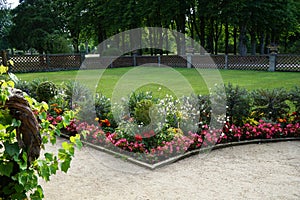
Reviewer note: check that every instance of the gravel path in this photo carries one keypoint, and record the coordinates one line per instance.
(254, 171)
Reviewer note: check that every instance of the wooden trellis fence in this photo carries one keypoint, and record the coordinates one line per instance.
(33, 63)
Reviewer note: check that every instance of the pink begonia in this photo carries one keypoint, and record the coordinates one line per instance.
(179, 144)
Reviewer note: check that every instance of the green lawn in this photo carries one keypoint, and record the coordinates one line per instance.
(160, 80)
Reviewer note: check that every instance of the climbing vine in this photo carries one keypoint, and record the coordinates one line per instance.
(24, 134)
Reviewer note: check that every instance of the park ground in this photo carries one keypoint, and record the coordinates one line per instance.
(254, 171)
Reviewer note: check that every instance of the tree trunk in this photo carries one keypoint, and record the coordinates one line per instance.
(235, 40)
(151, 41)
(167, 41)
(218, 31)
(226, 38)
(243, 41)
(262, 43)
(202, 31)
(253, 42)
(123, 46)
(160, 41)
(211, 37)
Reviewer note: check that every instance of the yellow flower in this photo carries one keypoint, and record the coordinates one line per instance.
(3, 69)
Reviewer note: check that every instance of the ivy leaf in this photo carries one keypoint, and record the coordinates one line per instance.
(11, 84)
(76, 140)
(38, 193)
(11, 149)
(16, 123)
(66, 164)
(43, 116)
(6, 168)
(49, 156)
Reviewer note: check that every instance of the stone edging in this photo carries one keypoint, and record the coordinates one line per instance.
(187, 154)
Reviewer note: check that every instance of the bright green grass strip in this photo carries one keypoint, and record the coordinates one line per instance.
(250, 80)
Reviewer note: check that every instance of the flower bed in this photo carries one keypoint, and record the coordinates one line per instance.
(181, 145)
(152, 131)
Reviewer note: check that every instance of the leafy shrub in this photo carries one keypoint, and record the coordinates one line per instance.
(204, 105)
(104, 113)
(102, 106)
(238, 104)
(137, 97)
(80, 96)
(25, 86)
(294, 97)
(76, 91)
(30, 87)
(45, 91)
(142, 112)
(270, 104)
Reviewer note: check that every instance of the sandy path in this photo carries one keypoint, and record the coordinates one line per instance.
(256, 171)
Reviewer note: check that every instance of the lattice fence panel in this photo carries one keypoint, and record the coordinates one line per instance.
(124, 61)
(288, 63)
(56, 62)
(96, 62)
(203, 62)
(29, 63)
(173, 61)
(219, 60)
(248, 62)
(142, 60)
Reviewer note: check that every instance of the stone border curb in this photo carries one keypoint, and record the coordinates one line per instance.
(187, 154)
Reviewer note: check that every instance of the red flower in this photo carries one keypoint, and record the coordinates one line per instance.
(105, 122)
(149, 134)
(138, 137)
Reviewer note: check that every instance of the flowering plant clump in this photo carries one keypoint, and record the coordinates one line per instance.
(152, 129)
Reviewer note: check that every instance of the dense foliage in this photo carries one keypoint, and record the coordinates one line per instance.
(243, 26)
(19, 172)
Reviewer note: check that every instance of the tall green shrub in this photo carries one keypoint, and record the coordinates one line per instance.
(270, 104)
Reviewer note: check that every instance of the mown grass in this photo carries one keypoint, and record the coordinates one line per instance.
(167, 80)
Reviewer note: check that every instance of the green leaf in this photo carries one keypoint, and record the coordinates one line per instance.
(43, 116)
(11, 84)
(76, 140)
(21, 162)
(49, 156)
(45, 139)
(6, 168)
(62, 154)
(38, 193)
(16, 123)
(12, 149)
(54, 167)
(65, 165)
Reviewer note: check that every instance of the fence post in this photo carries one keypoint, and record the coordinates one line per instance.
(82, 57)
(189, 60)
(4, 57)
(134, 59)
(158, 60)
(272, 62)
(48, 60)
(226, 62)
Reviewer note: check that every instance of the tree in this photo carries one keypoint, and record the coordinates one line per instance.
(35, 24)
(5, 26)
